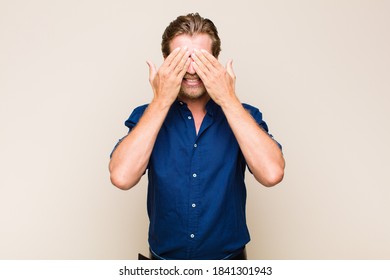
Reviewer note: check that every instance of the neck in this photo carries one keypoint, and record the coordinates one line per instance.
(198, 109)
(197, 105)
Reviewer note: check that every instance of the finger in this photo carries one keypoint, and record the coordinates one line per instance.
(181, 66)
(184, 68)
(152, 70)
(178, 58)
(202, 61)
(229, 68)
(196, 56)
(199, 71)
(171, 56)
(210, 57)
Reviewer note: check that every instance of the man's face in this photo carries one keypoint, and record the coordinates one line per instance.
(192, 86)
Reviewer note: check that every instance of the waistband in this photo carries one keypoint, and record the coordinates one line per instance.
(240, 254)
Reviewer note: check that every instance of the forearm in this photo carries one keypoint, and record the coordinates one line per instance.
(130, 159)
(261, 152)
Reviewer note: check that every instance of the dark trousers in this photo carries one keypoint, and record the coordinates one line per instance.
(240, 256)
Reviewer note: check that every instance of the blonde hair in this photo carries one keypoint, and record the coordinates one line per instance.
(191, 24)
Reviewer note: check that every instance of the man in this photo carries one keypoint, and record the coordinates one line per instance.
(195, 138)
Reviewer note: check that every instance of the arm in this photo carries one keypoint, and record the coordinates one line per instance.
(262, 154)
(130, 159)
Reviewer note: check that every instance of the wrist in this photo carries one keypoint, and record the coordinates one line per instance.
(229, 102)
(161, 103)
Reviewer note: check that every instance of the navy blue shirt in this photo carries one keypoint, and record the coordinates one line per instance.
(196, 191)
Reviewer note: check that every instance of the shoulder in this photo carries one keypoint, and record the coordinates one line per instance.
(136, 115)
(140, 109)
(254, 111)
(257, 115)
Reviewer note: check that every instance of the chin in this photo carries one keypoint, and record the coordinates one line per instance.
(191, 94)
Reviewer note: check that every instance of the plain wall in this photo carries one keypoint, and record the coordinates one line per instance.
(72, 71)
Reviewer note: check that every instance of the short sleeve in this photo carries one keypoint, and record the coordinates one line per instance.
(258, 116)
(135, 116)
(131, 122)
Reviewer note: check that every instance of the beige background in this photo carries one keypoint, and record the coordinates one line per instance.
(72, 71)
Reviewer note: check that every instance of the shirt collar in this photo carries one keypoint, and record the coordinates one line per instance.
(211, 106)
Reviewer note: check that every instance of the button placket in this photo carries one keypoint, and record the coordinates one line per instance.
(195, 180)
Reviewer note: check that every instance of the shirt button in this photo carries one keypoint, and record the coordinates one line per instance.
(195, 145)
(193, 205)
(189, 117)
(192, 235)
(181, 103)
(194, 175)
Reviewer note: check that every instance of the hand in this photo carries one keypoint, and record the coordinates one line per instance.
(166, 81)
(218, 80)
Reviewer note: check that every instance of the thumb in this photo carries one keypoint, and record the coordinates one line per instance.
(229, 68)
(152, 70)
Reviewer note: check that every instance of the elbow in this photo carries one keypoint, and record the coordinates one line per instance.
(121, 183)
(123, 180)
(273, 177)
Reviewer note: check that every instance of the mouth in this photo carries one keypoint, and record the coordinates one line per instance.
(192, 81)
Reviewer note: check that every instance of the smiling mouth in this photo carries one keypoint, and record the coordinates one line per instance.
(192, 81)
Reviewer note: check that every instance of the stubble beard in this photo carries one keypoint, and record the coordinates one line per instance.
(192, 92)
